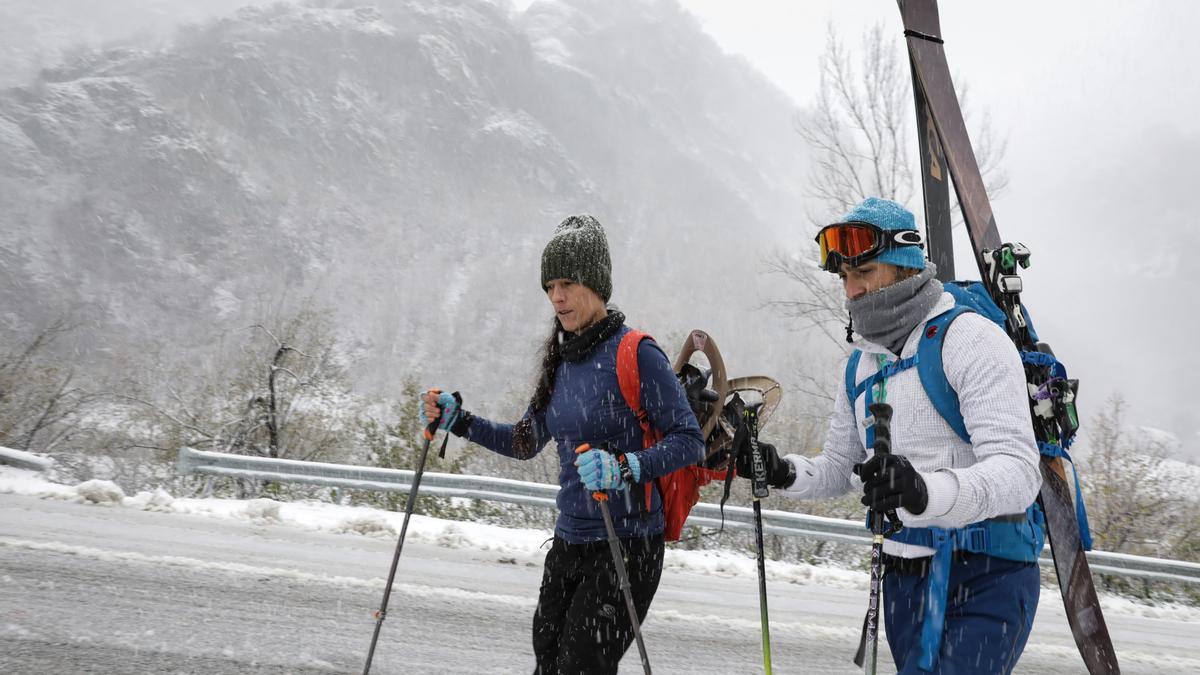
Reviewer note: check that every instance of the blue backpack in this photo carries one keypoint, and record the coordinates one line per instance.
(969, 296)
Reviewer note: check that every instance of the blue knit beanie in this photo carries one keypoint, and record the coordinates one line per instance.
(888, 215)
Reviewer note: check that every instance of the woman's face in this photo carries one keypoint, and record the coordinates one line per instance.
(575, 305)
(867, 278)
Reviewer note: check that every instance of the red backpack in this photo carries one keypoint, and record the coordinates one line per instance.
(680, 489)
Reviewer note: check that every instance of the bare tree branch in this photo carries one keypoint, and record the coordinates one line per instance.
(858, 129)
(163, 412)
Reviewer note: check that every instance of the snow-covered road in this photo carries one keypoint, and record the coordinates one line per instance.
(117, 589)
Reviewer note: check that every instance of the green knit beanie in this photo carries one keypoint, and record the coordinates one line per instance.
(579, 251)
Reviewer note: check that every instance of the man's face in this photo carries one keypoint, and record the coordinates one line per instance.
(867, 278)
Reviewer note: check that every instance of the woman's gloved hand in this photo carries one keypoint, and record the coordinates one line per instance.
(602, 470)
(447, 410)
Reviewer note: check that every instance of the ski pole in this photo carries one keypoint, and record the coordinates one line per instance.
(759, 489)
(614, 545)
(381, 613)
(882, 414)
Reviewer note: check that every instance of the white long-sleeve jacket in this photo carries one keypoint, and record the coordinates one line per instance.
(995, 474)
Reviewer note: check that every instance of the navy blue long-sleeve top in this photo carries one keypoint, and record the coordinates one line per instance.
(586, 406)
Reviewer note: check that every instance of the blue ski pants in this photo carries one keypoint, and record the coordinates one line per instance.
(989, 613)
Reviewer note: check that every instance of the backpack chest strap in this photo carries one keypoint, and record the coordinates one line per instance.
(882, 375)
(867, 386)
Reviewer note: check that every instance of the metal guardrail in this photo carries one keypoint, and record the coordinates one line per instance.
(25, 460)
(706, 515)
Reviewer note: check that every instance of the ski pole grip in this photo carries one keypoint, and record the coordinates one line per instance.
(758, 482)
(431, 429)
(758, 465)
(598, 495)
(882, 414)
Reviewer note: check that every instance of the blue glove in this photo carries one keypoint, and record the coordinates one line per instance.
(600, 470)
(448, 407)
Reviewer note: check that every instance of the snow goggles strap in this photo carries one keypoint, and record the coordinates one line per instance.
(857, 242)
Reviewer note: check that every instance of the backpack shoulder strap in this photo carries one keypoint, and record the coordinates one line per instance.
(851, 377)
(933, 373)
(630, 380)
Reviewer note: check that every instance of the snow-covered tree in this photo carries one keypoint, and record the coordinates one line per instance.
(41, 403)
(281, 392)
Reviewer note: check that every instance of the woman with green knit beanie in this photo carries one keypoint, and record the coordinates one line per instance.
(581, 624)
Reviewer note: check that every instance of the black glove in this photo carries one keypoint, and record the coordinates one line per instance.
(780, 472)
(891, 482)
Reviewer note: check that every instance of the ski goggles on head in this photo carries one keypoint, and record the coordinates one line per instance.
(857, 242)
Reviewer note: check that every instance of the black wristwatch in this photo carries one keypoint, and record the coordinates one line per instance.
(626, 472)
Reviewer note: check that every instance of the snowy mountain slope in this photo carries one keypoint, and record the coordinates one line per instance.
(397, 161)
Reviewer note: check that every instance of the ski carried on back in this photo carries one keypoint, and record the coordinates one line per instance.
(935, 187)
(942, 130)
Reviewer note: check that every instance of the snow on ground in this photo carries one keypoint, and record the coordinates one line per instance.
(526, 543)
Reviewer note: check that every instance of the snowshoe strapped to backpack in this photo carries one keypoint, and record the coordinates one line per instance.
(680, 489)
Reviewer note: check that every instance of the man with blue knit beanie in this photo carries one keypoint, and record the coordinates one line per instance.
(961, 584)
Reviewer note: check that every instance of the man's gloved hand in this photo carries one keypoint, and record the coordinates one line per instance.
(444, 407)
(891, 482)
(602, 470)
(780, 472)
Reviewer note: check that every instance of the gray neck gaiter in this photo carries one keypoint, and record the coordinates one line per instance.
(888, 315)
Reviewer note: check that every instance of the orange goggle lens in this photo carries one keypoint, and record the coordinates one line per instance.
(848, 239)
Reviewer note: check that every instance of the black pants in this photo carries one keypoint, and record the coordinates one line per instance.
(582, 625)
